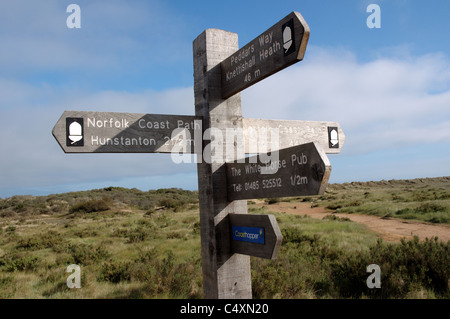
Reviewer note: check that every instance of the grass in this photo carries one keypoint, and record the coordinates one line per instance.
(419, 199)
(122, 256)
(147, 245)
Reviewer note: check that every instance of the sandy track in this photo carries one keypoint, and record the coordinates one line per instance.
(390, 229)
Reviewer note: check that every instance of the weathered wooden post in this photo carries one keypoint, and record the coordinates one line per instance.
(225, 275)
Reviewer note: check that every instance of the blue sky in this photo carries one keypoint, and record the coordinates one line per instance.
(389, 88)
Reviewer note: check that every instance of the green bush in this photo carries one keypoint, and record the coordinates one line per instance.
(20, 207)
(404, 268)
(8, 288)
(176, 278)
(7, 213)
(196, 228)
(136, 234)
(295, 235)
(308, 266)
(92, 206)
(115, 272)
(19, 262)
(49, 239)
(429, 208)
(175, 204)
(430, 212)
(336, 218)
(11, 229)
(268, 277)
(334, 206)
(163, 276)
(84, 254)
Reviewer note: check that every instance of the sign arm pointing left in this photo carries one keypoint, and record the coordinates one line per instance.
(113, 132)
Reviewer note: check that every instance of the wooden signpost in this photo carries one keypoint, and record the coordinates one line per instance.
(297, 164)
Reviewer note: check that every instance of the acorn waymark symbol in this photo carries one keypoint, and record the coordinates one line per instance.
(288, 37)
(74, 131)
(333, 137)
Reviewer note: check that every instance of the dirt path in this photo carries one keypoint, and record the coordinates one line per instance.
(389, 229)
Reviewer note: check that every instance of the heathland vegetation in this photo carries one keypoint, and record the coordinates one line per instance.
(425, 199)
(135, 244)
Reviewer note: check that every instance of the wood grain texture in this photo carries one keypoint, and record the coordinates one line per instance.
(225, 275)
(290, 133)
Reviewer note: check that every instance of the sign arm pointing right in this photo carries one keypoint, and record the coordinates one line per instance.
(277, 48)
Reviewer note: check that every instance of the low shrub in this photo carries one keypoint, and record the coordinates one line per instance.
(92, 206)
(7, 213)
(196, 228)
(49, 239)
(136, 234)
(311, 267)
(175, 204)
(17, 261)
(404, 268)
(430, 212)
(336, 218)
(115, 272)
(295, 235)
(85, 254)
(10, 229)
(8, 286)
(163, 276)
(334, 206)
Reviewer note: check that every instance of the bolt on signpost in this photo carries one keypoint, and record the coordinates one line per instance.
(220, 137)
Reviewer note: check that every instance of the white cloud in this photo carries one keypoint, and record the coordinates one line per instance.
(380, 104)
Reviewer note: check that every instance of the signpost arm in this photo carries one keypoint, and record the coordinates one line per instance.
(225, 275)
